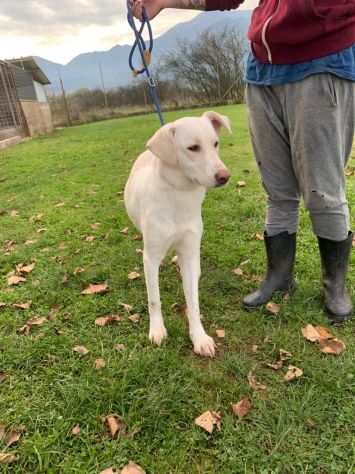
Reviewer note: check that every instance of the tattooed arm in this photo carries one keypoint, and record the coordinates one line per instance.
(153, 7)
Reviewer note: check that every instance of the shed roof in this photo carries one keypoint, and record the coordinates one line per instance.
(29, 64)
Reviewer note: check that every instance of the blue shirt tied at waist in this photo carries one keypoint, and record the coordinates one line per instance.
(341, 64)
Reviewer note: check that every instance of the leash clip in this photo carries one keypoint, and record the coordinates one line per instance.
(152, 82)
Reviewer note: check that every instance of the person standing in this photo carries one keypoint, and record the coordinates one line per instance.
(301, 100)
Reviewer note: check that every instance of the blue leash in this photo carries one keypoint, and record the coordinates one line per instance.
(145, 54)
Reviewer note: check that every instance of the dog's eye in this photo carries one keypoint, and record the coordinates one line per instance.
(216, 144)
(194, 148)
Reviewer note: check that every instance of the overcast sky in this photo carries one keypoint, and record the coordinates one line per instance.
(61, 29)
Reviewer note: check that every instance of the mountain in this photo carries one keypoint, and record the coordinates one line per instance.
(84, 71)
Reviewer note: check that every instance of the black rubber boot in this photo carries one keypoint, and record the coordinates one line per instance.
(280, 252)
(335, 259)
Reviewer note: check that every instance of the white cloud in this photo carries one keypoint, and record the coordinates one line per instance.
(60, 30)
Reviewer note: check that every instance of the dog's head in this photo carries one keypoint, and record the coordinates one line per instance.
(192, 145)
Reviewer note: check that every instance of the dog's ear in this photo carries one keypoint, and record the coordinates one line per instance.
(162, 144)
(218, 121)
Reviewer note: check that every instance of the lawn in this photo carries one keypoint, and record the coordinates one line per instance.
(52, 191)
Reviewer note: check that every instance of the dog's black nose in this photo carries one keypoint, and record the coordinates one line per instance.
(222, 177)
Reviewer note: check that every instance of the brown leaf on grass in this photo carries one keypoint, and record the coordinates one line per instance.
(3, 377)
(15, 280)
(316, 333)
(276, 366)
(139, 251)
(135, 318)
(41, 230)
(59, 204)
(241, 408)
(179, 308)
(332, 346)
(36, 321)
(35, 218)
(106, 320)
(273, 308)
(119, 347)
(14, 213)
(2, 305)
(238, 271)
(208, 420)
(13, 436)
(124, 231)
(254, 348)
(258, 236)
(132, 468)
(22, 305)
(133, 275)
(126, 306)
(137, 237)
(81, 350)
(221, 333)
(95, 226)
(293, 373)
(76, 430)
(90, 238)
(24, 269)
(30, 242)
(100, 364)
(115, 424)
(284, 355)
(254, 384)
(78, 270)
(174, 260)
(7, 458)
(95, 289)
(241, 184)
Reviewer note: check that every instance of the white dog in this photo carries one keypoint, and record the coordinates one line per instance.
(163, 198)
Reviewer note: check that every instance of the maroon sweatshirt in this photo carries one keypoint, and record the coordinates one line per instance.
(293, 31)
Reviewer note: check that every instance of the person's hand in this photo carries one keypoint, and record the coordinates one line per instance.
(152, 7)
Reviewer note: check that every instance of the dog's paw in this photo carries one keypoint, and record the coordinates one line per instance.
(158, 334)
(204, 345)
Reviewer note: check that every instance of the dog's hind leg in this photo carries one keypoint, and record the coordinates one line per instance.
(152, 260)
(189, 263)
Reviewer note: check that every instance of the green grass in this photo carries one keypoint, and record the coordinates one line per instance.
(158, 391)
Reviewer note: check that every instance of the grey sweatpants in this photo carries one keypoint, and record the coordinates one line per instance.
(302, 135)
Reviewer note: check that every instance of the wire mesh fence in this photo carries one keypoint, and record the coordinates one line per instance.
(10, 111)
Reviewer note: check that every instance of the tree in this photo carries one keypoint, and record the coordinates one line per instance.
(211, 67)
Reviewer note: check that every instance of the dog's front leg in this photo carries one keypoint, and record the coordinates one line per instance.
(189, 263)
(157, 330)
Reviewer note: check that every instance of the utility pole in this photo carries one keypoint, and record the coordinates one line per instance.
(66, 106)
(103, 84)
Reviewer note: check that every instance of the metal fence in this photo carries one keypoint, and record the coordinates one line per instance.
(10, 109)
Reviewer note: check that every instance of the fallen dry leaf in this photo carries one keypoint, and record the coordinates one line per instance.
(7, 458)
(41, 230)
(78, 270)
(2, 305)
(30, 242)
(174, 260)
(332, 346)
(36, 321)
(59, 204)
(127, 307)
(81, 350)
(132, 468)
(241, 408)
(106, 320)
(220, 333)
(134, 318)
(90, 238)
(95, 289)
(133, 275)
(124, 231)
(273, 308)
(15, 280)
(20, 269)
(276, 366)
(258, 236)
(208, 420)
(316, 333)
(254, 384)
(22, 305)
(76, 430)
(241, 184)
(254, 348)
(13, 436)
(100, 364)
(14, 213)
(285, 355)
(238, 271)
(120, 347)
(293, 373)
(137, 237)
(114, 424)
(95, 226)
(139, 251)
